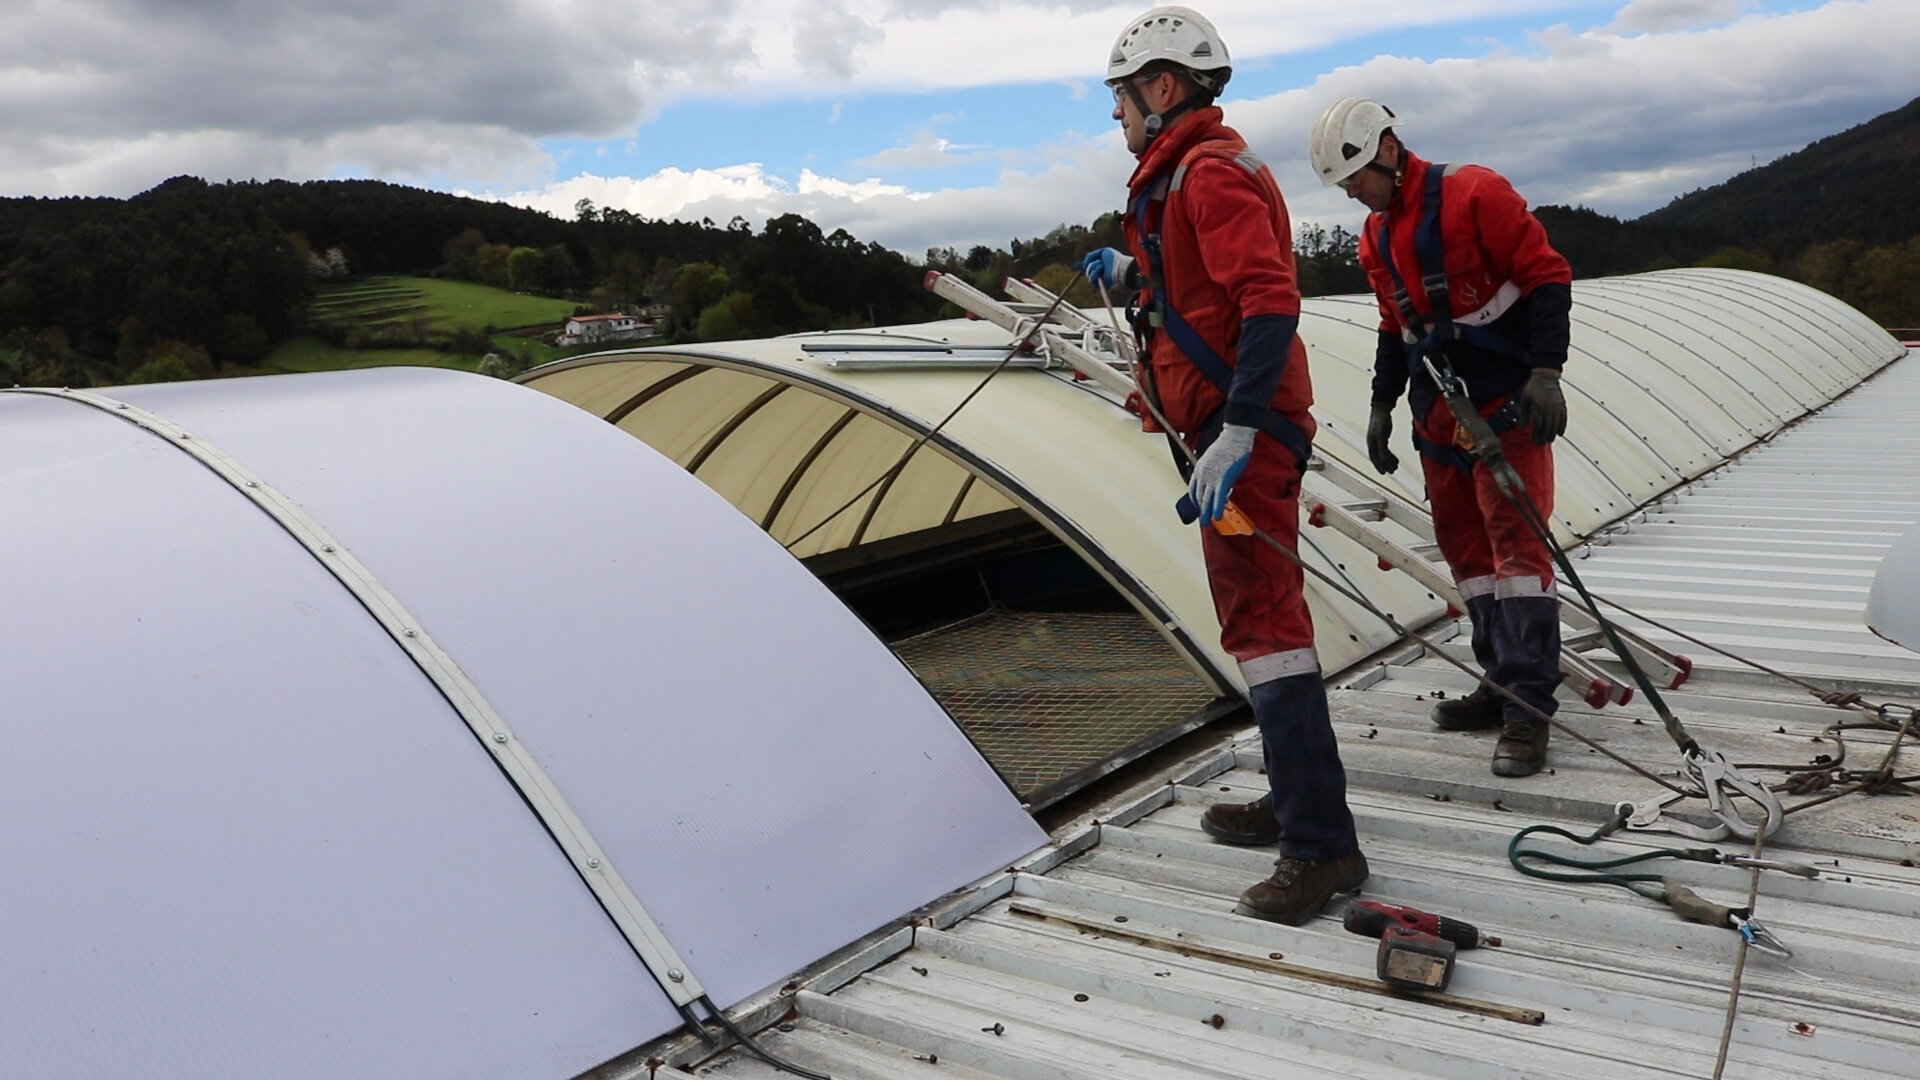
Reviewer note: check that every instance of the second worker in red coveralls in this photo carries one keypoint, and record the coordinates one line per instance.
(1463, 271)
(1213, 254)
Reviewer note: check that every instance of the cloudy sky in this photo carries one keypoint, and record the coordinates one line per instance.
(911, 122)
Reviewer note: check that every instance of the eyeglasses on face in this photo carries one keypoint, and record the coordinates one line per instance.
(1119, 86)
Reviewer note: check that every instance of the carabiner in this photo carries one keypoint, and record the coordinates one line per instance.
(1717, 777)
(1647, 817)
(1759, 937)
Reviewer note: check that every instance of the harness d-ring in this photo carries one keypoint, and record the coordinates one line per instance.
(1719, 779)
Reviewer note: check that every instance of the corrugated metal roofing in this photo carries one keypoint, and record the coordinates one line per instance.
(1118, 955)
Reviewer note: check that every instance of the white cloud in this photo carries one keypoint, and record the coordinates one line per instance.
(926, 151)
(1621, 124)
(1020, 204)
(1661, 16)
(944, 44)
(97, 92)
(111, 96)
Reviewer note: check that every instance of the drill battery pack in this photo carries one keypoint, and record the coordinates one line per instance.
(1413, 960)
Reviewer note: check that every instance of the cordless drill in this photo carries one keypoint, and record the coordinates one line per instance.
(1370, 918)
(1416, 947)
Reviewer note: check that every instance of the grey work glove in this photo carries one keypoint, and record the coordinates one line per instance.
(1218, 469)
(1379, 430)
(1543, 406)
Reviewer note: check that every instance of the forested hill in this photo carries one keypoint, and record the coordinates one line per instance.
(1842, 215)
(90, 287)
(1862, 184)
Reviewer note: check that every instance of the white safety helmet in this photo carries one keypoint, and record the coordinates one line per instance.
(1347, 138)
(1177, 35)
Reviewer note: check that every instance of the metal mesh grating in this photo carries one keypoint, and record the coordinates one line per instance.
(1046, 695)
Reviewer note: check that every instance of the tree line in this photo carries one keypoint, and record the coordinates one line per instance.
(193, 278)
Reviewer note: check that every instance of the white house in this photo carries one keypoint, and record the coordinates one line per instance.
(589, 329)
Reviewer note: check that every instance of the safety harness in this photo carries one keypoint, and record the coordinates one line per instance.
(1423, 338)
(1160, 314)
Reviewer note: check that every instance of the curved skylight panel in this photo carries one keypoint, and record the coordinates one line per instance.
(703, 702)
(244, 835)
(247, 836)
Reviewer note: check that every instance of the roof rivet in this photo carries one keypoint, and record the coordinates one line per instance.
(676, 975)
(500, 737)
(253, 483)
(593, 864)
(326, 547)
(410, 633)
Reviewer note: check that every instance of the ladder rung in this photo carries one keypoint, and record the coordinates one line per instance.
(1583, 639)
(1367, 509)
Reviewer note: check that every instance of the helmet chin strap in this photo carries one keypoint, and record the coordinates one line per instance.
(1156, 122)
(1398, 171)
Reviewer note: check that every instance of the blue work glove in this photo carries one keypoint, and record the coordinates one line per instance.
(1217, 470)
(1106, 268)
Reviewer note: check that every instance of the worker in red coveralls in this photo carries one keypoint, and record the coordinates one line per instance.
(1212, 264)
(1463, 272)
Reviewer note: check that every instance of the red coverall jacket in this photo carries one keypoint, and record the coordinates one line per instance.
(1227, 252)
(1496, 255)
(1228, 249)
(1504, 277)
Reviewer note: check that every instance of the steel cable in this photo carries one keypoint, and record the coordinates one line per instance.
(1020, 343)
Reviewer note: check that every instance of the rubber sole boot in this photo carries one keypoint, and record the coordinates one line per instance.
(1247, 824)
(1522, 749)
(1479, 711)
(1299, 888)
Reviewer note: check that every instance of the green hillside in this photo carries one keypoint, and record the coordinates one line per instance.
(412, 320)
(1862, 184)
(1842, 215)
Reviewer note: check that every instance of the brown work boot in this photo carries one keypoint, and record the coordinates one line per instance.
(1250, 824)
(1478, 711)
(1522, 749)
(1298, 888)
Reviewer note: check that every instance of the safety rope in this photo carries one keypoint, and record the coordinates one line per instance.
(1739, 965)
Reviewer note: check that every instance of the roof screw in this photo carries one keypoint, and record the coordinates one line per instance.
(184, 436)
(253, 483)
(593, 864)
(410, 633)
(326, 548)
(500, 737)
(676, 975)
(122, 405)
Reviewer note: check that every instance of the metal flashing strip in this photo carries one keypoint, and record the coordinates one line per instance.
(522, 770)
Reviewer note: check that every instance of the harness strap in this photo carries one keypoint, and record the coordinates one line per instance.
(1503, 419)
(1430, 251)
(1162, 315)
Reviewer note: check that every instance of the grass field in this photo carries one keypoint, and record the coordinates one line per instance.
(411, 308)
(441, 305)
